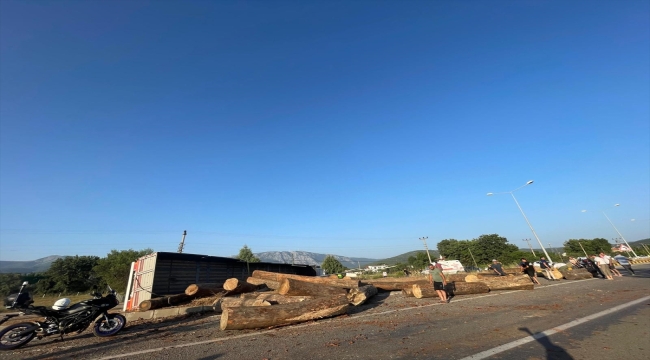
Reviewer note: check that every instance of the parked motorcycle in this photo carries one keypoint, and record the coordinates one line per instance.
(60, 319)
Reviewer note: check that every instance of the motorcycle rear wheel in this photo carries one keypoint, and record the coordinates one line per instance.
(114, 325)
(9, 336)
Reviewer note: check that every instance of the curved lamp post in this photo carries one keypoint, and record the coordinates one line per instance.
(524, 214)
(618, 232)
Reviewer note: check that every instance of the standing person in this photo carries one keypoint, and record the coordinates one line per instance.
(437, 279)
(625, 263)
(546, 266)
(603, 266)
(497, 267)
(406, 272)
(529, 270)
(385, 274)
(610, 262)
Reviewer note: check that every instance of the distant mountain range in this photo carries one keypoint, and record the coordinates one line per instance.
(309, 258)
(24, 267)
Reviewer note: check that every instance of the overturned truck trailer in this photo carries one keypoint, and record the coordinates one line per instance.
(167, 273)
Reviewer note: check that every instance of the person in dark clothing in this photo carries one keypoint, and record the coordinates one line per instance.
(528, 269)
(497, 267)
(546, 267)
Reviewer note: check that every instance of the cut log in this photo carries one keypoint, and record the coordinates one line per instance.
(238, 318)
(465, 288)
(340, 283)
(407, 292)
(455, 277)
(204, 290)
(275, 299)
(453, 288)
(361, 294)
(227, 302)
(164, 301)
(271, 284)
(395, 285)
(295, 287)
(235, 286)
(520, 282)
(576, 274)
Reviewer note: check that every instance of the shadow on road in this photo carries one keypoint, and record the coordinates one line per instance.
(553, 352)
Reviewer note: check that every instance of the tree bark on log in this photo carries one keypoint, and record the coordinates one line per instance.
(204, 290)
(576, 274)
(340, 283)
(453, 288)
(520, 282)
(295, 287)
(238, 318)
(164, 301)
(361, 294)
(395, 285)
(271, 284)
(220, 305)
(464, 288)
(275, 299)
(455, 277)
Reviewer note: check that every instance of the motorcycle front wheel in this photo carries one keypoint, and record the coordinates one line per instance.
(115, 323)
(10, 338)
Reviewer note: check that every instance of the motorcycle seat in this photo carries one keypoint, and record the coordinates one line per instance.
(72, 309)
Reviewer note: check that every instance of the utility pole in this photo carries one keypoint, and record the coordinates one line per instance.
(424, 240)
(470, 254)
(557, 252)
(531, 248)
(182, 244)
(619, 233)
(583, 249)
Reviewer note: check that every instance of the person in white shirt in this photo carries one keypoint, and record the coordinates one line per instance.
(610, 263)
(603, 266)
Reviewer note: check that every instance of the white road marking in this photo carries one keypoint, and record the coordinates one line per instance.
(555, 330)
(321, 322)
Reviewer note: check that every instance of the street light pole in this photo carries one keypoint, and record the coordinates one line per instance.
(526, 218)
(619, 233)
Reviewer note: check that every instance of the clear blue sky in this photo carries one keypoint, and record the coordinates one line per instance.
(348, 128)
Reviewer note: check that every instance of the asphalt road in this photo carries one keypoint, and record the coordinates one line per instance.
(567, 320)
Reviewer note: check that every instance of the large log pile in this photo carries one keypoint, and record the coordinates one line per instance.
(296, 299)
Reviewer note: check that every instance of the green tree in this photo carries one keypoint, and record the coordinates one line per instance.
(114, 268)
(10, 283)
(592, 246)
(246, 254)
(332, 266)
(419, 261)
(71, 273)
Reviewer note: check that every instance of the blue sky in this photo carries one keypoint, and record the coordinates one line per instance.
(348, 128)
